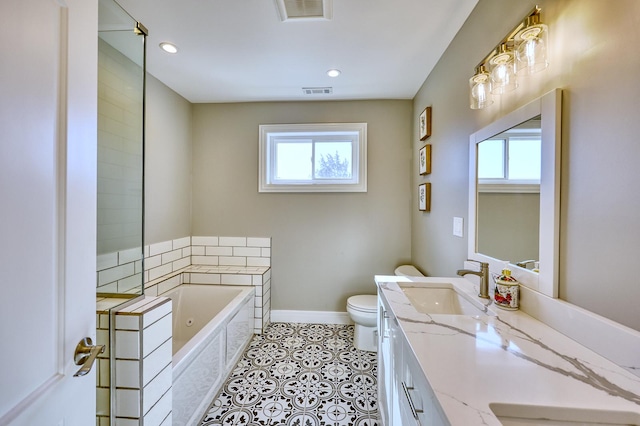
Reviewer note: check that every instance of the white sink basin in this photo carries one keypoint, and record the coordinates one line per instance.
(441, 298)
(530, 415)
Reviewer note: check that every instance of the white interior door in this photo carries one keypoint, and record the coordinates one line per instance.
(48, 91)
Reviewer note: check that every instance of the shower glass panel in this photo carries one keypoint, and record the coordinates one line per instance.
(120, 152)
(120, 200)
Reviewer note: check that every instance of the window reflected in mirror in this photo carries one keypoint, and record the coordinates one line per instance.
(508, 198)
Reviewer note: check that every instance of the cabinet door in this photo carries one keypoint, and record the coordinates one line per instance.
(410, 402)
(385, 366)
(425, 407)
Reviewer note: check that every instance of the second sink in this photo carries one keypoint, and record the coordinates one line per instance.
(517, 415)
(441, 298)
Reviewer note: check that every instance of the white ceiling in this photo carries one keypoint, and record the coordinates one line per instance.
(240, 50)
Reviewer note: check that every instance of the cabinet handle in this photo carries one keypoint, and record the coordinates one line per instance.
(414, 412)
(384, 324)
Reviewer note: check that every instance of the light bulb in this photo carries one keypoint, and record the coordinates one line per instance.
(168, 47)
(503, 73)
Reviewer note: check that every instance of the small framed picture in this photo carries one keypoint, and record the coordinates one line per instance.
(424, 160)
(424, 197)
(424, 122)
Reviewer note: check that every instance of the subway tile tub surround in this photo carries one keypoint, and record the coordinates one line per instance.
(121, 271)
(242, 261)
(142, 382)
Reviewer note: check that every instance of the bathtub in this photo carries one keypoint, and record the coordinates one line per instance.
(212, 324)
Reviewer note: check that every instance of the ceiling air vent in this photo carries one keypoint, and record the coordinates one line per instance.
(291, 10)
(317, 90)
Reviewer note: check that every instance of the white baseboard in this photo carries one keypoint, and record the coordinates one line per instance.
(311, 317)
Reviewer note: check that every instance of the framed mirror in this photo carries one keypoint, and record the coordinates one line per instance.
(514, 193)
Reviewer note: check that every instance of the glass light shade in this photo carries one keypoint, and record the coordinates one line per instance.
(503, 73)
(480, 90)
(531, 50)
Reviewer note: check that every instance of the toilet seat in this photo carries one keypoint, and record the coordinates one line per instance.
(363, 303)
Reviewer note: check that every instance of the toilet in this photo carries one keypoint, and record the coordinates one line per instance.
(363, 310)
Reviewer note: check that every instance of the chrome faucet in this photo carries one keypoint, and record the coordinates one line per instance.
(483, 273)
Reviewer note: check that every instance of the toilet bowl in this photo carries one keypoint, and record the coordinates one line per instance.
(408, 271)
(363, 311)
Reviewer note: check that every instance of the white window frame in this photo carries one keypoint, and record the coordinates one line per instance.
(506, 184)
(270, 133)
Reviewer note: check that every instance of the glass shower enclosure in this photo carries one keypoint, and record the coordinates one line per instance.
(120, 191)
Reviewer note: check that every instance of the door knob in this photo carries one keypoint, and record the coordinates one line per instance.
(85, 355)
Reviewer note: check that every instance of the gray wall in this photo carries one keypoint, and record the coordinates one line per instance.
(593, 58)
(167, 164)
(508, 225)
(326, 246)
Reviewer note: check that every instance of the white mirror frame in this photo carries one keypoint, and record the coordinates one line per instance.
(549, 106)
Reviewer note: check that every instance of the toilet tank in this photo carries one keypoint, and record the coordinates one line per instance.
(408, 271)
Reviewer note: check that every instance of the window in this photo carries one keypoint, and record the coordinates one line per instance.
(509, 163)
(313, 157)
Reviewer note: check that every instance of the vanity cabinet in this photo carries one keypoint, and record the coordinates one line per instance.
(404, 395)
(385, 364)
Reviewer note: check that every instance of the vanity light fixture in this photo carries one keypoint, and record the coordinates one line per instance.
(334, 73)
(168, 47)
(522, 52)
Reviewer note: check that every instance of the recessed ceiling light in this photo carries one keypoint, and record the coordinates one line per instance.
(168, 47)
(333, 73)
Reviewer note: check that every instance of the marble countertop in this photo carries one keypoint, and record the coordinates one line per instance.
(507, 357)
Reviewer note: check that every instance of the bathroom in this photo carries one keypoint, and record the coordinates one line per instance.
(591, 59)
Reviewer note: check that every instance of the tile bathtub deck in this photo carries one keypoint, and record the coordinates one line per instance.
(299, 375)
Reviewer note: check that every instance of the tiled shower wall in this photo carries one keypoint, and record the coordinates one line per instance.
(119, 272)
(119, 210)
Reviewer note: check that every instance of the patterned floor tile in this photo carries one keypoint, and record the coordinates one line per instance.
(299, 375)
(273, 410)
(285, 369)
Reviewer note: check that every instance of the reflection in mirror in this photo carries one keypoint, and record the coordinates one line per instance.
(120, 152)
(514, 193)
(509, 194)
